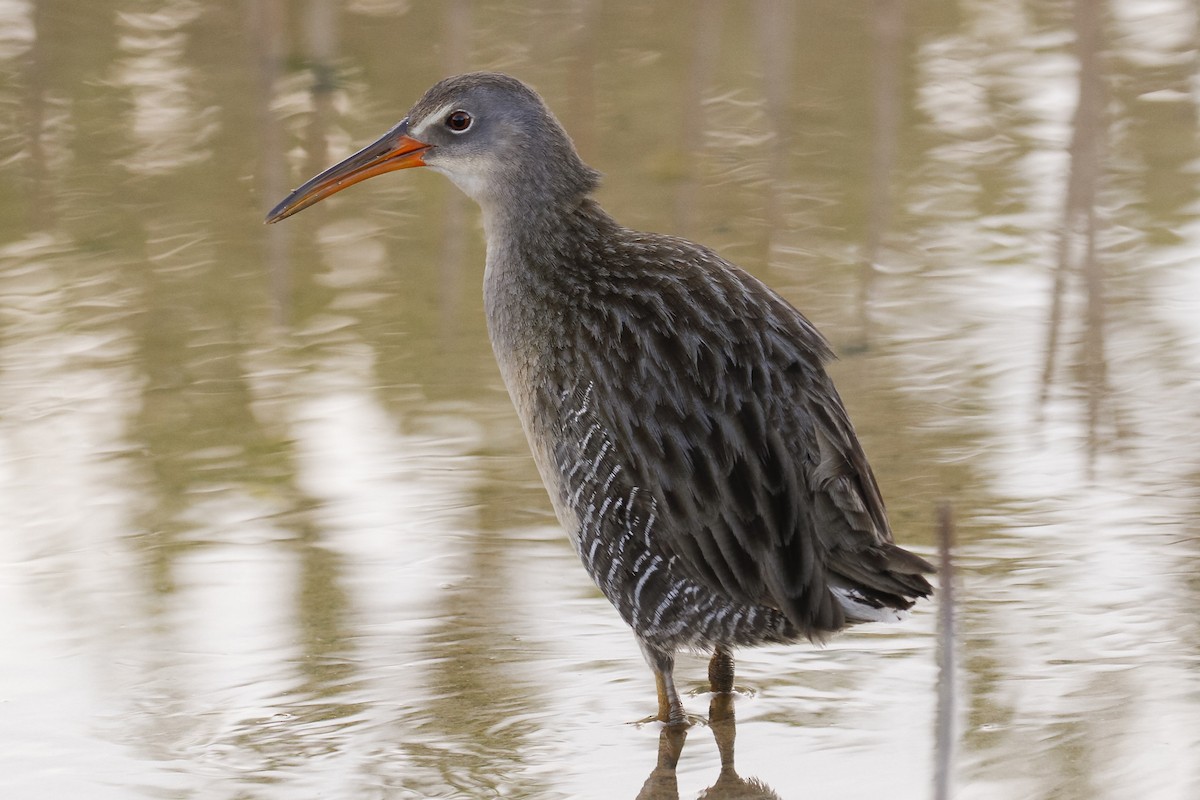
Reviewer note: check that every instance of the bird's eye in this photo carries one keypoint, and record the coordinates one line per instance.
(459, 121)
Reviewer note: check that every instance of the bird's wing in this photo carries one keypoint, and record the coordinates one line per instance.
(716, 389)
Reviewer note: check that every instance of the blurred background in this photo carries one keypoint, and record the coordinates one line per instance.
(268, 523)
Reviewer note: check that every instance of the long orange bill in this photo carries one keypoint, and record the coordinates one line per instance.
(394, 150)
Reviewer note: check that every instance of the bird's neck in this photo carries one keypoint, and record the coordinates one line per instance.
(539, 267)
(543, 241)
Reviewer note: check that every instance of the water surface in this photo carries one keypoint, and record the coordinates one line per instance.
(270, 526)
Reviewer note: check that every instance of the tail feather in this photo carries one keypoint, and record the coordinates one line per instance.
(882, 587)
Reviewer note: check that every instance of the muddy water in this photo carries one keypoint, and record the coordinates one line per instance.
(270, 528)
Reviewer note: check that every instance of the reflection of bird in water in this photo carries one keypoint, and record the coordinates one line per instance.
(692, 443)
(662, 783)
(729, 785)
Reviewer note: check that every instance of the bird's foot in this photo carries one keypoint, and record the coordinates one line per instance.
(704, 690)
(682, 721)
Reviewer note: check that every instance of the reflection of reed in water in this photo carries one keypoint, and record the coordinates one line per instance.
(456, 29)
(266, 20)
(706, 46)
(581, 78)
(943, 754)
(269, 20)
(887, 32)
(35, 127)
(1076, 249)
(663, 784)
(776, 39)
(320, 35)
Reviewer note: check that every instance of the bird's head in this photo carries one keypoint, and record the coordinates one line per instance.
(489, 133)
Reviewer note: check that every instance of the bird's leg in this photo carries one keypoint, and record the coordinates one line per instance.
(670, 707)
(720, 670)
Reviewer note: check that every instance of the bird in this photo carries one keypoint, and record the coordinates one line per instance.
(679, 412)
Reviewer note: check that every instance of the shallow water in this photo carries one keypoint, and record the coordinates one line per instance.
(270, 524)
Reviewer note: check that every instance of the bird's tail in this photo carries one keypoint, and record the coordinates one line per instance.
(883, 588)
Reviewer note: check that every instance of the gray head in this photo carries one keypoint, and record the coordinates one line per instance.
(489, 133)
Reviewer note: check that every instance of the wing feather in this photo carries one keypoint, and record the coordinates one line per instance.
(734, 427)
